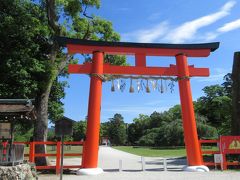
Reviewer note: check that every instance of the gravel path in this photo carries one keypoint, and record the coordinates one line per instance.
(132, 169)
(109, 161)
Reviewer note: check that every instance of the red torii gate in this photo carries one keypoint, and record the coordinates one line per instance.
(97, 68)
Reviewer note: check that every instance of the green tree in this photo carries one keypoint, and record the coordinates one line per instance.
(175, 112)
(22, 49)
(137, 129)
(227, 84)
(104, 128)
(31, 60)
(117, 130)
(216, 105)
(170, 134)
(79, 130)
(166, 129)
(149, 139)
(24, 52)
(205, 131)
(156, 119)
(21, 134)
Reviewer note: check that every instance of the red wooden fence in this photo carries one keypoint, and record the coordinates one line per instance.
(226, 145)
(58, 144)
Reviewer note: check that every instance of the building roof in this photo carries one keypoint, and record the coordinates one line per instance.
(17, 109)
(66, 118)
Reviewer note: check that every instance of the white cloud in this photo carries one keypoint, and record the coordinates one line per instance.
(185, 32)
(229, 26)
(147, 35)
(188, 30)
(210, 36)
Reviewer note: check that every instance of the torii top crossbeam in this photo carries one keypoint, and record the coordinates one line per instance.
(129, 48)
(140, 50)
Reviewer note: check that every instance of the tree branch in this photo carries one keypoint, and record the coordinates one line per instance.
(87, 32)
(85, 14)
(52, 17)
(63, 63)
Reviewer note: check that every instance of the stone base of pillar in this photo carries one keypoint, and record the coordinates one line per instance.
(89, 171)
(201, 168)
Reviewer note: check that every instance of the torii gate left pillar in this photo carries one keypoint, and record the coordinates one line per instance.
(140, 50)
(90, 157)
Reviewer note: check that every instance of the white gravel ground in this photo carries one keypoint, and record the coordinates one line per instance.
(132, 169)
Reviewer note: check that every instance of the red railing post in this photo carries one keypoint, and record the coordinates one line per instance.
(224, 161)
(57, 167)
(200, 147)
(58, 157)
(32, 152)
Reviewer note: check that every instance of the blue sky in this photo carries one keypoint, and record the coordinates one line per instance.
(164, 21)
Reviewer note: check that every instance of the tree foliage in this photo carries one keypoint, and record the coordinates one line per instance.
(165, 129)
(23, 49)
(117, 130)
(79, 130)
(31, 59)
(216, 105)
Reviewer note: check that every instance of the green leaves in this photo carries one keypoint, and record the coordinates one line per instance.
(165, 129)
(21, 49)
(216, 105)
(117, 130)
(79, 130)
(95, 3)
(72, 7)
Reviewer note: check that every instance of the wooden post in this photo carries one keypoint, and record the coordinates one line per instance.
(188, 116)
(83, 150)
(224, 162)
(58, 157)
(143, 163)
(120, 165)
(62, 156)
(165, 164)
(32, 152)
(235, 125)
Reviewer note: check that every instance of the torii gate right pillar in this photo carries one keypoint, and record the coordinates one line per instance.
(189, 123)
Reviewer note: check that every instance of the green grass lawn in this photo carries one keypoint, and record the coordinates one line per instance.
(152, 151)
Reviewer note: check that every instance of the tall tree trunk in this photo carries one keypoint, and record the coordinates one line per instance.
(235, 125)
(41, 124)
